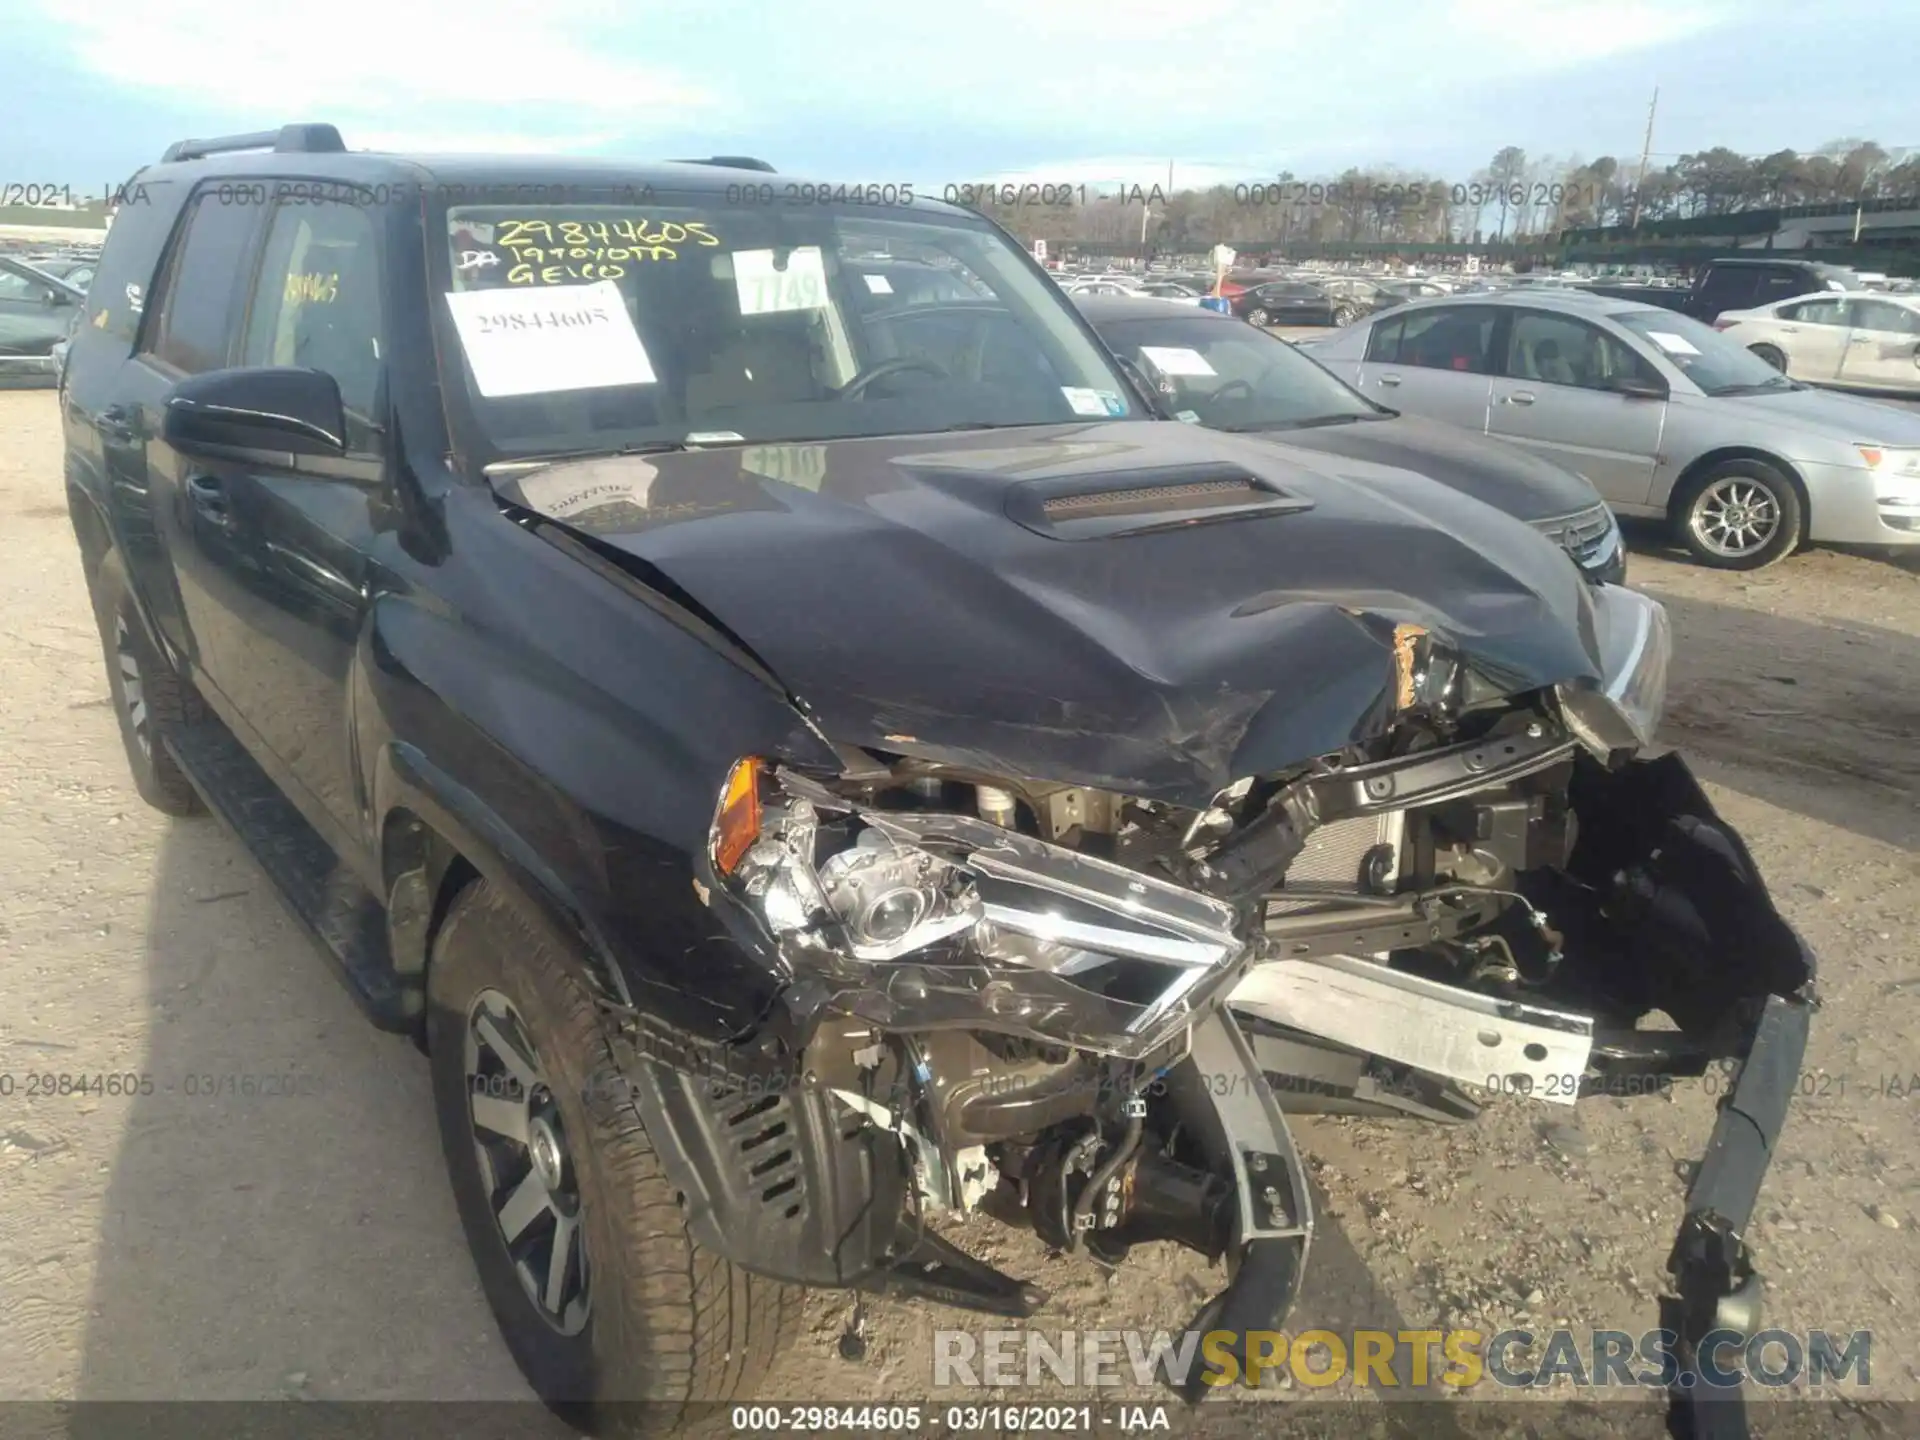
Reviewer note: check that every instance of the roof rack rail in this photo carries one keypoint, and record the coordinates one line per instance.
(287, 140)
(732, 162)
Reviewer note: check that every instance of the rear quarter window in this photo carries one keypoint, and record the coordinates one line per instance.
(124, 280)
(207, 265)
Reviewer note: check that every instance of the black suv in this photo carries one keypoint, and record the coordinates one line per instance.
(799, 763)
(1740, 283)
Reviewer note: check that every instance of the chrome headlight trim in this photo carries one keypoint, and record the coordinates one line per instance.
(1636, 655)
(1016, 934)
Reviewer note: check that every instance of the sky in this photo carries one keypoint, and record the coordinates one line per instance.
(880, 91)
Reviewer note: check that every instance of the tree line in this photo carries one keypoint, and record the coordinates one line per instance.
(1514, 197)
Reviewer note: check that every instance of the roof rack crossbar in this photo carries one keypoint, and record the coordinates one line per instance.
(732, 162)
(287, 140)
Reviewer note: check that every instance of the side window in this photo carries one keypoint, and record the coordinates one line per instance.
(1815, 312)
(1449, 337)
(20, 290)
(1383, 341)
(1779, 284)
(1733, 287)
(1559, 350)
(1879, 315)
(193, 325)
(317, 302)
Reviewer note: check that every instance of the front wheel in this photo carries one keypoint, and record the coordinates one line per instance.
(1740, 515)
(1344, 316)
(579, 1237)
(1257, 316)
(1772, 354)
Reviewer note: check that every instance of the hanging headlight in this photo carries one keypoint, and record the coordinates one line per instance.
(922, 919)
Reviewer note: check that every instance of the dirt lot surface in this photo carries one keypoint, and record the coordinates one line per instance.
(226, 1245)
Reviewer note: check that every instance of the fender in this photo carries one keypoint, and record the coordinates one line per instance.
(821, 1209)
(412, 789)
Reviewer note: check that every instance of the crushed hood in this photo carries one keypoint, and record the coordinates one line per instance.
(982, 599)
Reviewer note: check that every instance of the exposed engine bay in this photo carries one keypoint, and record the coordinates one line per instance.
(1058, 998)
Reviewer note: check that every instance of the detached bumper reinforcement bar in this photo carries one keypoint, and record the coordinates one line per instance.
(1716, 1309)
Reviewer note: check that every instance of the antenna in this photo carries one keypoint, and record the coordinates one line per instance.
(1646, 150)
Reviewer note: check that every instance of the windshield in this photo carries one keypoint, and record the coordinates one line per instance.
(1230, 376)
(1719, 366)
(587, 328)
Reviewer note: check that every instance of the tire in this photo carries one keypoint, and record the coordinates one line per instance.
(149, 698)
(1772, 354)
(660, 1320)
(1749, 489)
(1258, 316)
(1344, 317)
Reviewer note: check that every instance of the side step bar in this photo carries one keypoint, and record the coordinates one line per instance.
(344, 918)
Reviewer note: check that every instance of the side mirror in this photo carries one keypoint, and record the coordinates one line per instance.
(277, 409)
(1640, 389)
(58, 299)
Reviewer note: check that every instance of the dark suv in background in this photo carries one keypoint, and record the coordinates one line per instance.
(1738, 283)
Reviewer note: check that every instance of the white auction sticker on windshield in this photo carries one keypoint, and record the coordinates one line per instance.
(563, 337)
(1673, 344)
(1084, 402)
(1176, 360)
(768, 290)
(566, 491)
(878, 284)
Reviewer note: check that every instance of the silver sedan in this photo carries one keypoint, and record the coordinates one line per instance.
(1668, 417)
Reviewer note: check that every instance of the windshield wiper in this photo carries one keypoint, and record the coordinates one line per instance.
(1758, 387)
(522, 463)
(1312, 422)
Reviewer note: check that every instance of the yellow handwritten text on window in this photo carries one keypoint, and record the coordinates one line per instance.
(312, 289)
(557, 252)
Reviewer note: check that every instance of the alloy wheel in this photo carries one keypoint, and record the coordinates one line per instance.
(132, 693)
(525, 1164)
(1735, 517)
(1257, 317)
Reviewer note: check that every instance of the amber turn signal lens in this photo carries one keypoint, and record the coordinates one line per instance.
(737, 825)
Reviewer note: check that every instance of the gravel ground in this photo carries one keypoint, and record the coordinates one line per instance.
(180, 1244)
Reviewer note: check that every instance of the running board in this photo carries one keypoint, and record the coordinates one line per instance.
(342, 916)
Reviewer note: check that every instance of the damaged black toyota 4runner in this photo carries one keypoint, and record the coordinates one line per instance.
(802, 762)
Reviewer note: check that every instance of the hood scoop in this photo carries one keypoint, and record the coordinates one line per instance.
(1137, 502)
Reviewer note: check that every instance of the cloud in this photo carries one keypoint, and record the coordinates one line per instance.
(1563, 34)
(381, 58)
(873, 90)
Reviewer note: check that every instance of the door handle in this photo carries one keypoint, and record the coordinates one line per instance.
(210, 499)
(1389, 379)
(119, 422)
(1789, 329)
(1519, 397)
